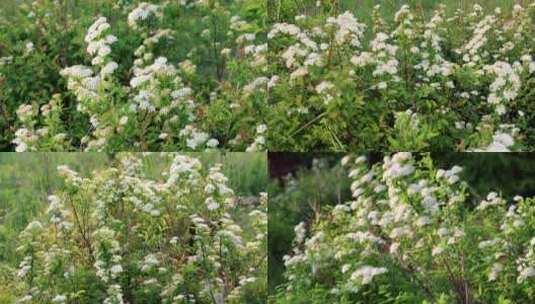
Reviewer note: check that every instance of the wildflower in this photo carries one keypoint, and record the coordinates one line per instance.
(29, 47)
(437, 251)
(366, 273)
(212, 143)
(495, 270)
(149, 262)
(300, 232)
(109, 68)
(59, 299)
(116, 269)
(324, 86)
(525, 274)
(211, 204)
(141, 13)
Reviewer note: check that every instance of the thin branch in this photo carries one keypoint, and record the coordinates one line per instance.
(82, 231)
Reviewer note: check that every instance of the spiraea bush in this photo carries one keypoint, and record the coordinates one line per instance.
(413, 233)
(461, 80)
(118, 236)
(132, 75)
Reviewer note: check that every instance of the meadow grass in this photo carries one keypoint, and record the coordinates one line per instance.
(10, 7)
(363, 9)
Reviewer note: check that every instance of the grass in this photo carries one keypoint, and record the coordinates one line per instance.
(362, 9)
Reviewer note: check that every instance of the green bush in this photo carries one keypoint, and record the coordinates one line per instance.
(411, 80)
(64, 88)
(120, 236)
(412, 234)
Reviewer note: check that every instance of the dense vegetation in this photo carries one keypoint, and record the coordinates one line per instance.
(160, 228)
(131, 75)
(347, 75)
(250, 75)
(310, 196)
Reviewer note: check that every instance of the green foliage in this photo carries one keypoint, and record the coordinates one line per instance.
(401, 75)
(483, 241)
(205, 40)
(27, 179)
(410, 134)
(297, 198)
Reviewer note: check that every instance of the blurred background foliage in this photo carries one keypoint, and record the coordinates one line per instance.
(26, 179)
(286, 10)
(302, 183)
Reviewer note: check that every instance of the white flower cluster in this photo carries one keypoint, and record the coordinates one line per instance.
(99, 45)
(107, 219)
(257, 83)
(311, 48)
(404, 19)
(397, 166)
(196, 138)
(6, 60)
(502, 140)
(151, 92)
(146, 81)
(526, 264)
(141, 13)
(217, 191)
(30, 135)
(149, 262)
(27, 268)
(406, 214)
(451, 176)
(300, 233)
(24, 139)
(88, 84)
(24, 267)
(366, 273)
(259, 143)
(347, 29)
(414, 55)
(108, 263)
(59, 214)
(506, 86)
(478, 40)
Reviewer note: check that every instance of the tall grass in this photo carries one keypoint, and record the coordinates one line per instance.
(362, 9)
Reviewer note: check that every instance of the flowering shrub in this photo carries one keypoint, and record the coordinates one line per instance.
(411, 234)
(133, 84)
(463, 81)
(120, 237)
